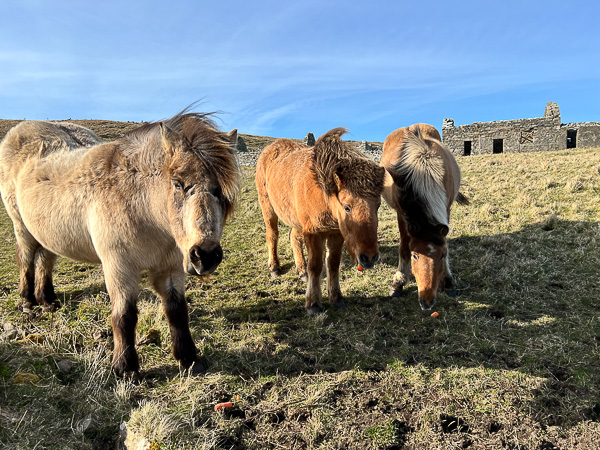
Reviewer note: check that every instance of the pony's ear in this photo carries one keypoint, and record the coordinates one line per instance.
(232, 137)
(171, 140)
(337, 179)
(442, 230)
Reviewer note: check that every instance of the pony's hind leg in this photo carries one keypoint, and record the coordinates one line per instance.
(171, 288)
(335, 245)
(297, 241)
(35, 271)
(272, 235)
(25, 259)
(123, 289)
(315, 248)
(44, 290)
(402, 273)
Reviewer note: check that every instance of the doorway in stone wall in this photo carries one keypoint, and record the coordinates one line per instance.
(498, 146)
(467, 150)
(571, 138)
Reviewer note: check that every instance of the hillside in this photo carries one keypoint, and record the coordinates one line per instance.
(108, 130)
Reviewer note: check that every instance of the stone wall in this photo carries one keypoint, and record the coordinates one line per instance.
(522, 135)
(588, 133)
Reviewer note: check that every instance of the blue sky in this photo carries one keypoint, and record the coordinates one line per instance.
(283, 69)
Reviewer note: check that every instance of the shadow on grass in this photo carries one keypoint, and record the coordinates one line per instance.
(527, 302)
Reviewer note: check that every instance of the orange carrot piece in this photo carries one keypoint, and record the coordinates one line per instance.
(219, 406)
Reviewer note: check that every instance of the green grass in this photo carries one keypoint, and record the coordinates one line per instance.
(513, 361)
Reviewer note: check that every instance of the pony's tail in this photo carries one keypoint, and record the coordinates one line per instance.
(462, 199)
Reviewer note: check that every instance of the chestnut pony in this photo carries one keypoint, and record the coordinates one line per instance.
(327, 194)
(422, 182)
(154, 200)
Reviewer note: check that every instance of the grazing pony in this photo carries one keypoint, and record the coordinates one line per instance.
(327, 194)
(421, 183)
(155, 199)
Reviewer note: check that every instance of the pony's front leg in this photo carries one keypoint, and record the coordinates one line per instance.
(449, 286)
(171, 288)
(315, 248)
(123, 289)
(403, 272)
(335, 244)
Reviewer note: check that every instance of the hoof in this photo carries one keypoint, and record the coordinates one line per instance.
(275, 273)
(133, 376)
(49, 308)
(313, 309)
(303, 276)
(198, 367)
(340, 303)
(452, 292)
(397, 292)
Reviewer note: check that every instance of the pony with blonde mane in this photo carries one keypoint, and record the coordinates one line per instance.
(154, 200)
(422, 182)
(328, 194)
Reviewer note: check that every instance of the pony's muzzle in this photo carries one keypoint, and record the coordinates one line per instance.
(426, 305)
(202, 262)
(366, 262)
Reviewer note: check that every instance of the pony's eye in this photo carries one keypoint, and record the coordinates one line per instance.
(177, 185)
(415, 256)
(347, 208)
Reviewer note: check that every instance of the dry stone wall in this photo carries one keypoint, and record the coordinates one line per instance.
(522, 135)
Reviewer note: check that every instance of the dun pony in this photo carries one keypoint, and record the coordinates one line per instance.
(328, 194)
(422, 183)
(154, 200)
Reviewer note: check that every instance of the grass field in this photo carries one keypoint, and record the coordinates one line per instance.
(512, 362)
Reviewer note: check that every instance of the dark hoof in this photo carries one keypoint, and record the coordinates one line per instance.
(49, 308)
(199, 367)
(452, 292)
(397, 292)
(313, 309)
(132, 376)
(340, 303)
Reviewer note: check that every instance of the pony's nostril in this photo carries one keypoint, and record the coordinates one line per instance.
(367, 262)
(424, 305)
(208, 260)
(363, 260)
(195, 254)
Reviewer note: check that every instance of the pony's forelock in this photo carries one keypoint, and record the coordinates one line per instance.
(332, 156)
(200, 135)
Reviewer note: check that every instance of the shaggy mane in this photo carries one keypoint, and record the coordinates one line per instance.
(419, 175)
(360, 175)
(143, 146)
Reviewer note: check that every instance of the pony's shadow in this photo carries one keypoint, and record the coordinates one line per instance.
(494, 274)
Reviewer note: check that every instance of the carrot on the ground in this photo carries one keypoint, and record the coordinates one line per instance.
(219, 406)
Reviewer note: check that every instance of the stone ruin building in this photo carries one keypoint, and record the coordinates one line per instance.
(522, 135)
